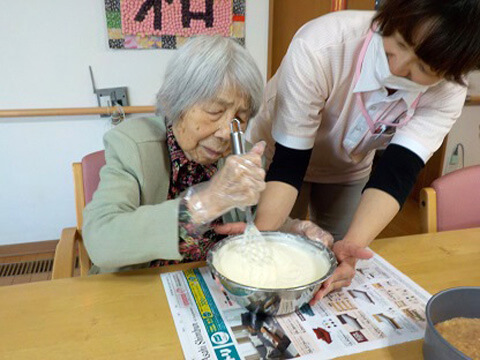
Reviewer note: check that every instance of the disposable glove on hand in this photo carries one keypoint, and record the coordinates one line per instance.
(308, 229)
(237, 184)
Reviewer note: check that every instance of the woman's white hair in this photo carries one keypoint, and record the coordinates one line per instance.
(202, 68)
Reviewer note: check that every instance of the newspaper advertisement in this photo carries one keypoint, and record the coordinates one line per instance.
(381, 307)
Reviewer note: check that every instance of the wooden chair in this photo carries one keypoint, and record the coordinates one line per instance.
(86, 176)
(452, 202)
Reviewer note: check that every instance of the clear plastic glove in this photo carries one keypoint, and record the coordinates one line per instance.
(237, 184)
(308, 229)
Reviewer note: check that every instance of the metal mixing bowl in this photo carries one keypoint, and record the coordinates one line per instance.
(274, 301)
(446, 305)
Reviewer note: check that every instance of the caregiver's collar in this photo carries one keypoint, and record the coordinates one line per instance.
(368, 80)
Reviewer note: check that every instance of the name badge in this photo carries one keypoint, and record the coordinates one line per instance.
(360, 141)
(355, 134)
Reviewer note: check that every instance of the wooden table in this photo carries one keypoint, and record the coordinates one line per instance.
(126, 316)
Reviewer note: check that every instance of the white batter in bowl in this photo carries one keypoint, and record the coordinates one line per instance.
(291, 275)
(286, 265)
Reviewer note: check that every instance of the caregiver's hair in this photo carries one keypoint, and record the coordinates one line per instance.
(202, 68)
(444, 33)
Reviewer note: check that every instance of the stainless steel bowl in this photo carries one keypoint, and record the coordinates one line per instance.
(446, 305)
(274, 301)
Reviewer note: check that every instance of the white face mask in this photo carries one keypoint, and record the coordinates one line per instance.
(387, 79)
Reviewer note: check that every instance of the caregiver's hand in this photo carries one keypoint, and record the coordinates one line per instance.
(347, 255)
(302, 227)
(238, 184)
(308, 229)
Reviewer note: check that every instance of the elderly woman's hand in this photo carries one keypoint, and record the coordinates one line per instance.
(308, 229)
(238, 184)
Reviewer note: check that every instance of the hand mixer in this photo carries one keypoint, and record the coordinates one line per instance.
(254, 241)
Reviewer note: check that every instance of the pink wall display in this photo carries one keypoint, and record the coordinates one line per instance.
(167, 24)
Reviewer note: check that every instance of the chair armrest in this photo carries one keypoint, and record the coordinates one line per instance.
(65, 254)
(428, 210)
(83, 258)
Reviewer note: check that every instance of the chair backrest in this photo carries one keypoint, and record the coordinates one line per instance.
(458, 199)
(86, 177)
(91, 165)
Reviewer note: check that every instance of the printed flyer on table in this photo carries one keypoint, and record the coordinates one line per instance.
(382, 307)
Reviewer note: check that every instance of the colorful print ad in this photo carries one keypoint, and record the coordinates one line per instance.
(381, 308)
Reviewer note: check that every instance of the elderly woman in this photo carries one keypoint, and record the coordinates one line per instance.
(166, 184)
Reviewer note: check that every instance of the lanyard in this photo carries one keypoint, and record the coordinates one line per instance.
(371, 123)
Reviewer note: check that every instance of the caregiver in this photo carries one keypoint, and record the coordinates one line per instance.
(353, 82)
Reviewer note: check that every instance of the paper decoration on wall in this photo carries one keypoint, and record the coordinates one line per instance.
(166, 24)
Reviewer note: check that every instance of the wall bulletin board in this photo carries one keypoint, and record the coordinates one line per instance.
(167, 24)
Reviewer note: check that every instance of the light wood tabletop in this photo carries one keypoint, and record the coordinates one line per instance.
(126, 316)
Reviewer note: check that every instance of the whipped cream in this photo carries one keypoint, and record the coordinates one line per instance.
(269, 264)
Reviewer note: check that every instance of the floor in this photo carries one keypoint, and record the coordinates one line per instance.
(406, 222)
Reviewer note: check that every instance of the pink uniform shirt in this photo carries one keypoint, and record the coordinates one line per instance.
(310, 102)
